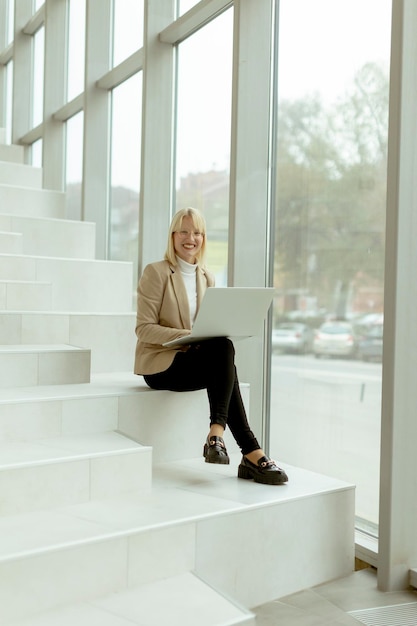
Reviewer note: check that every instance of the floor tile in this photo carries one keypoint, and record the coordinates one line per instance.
(360, 592)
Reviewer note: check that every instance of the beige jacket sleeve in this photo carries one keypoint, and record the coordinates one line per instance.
(163, 314)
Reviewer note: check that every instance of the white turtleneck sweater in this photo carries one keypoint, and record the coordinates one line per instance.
(188, 273)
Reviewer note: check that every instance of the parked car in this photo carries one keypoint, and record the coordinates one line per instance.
(370, 347)
(335, 339)
(292, 337)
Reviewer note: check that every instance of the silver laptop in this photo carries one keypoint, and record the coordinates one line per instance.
(235, 312)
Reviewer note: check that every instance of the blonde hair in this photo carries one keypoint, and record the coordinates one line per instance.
(199, 224)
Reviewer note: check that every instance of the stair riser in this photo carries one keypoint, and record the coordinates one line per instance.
(148, 418)
(297, 544)
(77, 285)
(49, 368)
(25, 296)
(51, 237)
(10, 243)
(42, 419)
(32, 202)
(110, 337)
(12, 154)
(48, 485)
(21, 175)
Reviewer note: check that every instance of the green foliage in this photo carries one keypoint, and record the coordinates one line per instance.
(330, 198)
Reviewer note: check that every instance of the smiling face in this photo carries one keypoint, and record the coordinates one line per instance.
(188, 240)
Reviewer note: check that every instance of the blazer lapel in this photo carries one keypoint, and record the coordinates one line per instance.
(201, 286)
(182, 298)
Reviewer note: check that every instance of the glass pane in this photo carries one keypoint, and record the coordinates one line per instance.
(203, 132)
(128, 28)
(76, 48)
(38, 4)
(36, 157)
(38, 75)
(74, 166)
(329, 250)
(186, 5)
(9, 99)
(10, 22)
(125, 173)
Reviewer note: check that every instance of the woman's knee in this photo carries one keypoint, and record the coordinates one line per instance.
(219, 349)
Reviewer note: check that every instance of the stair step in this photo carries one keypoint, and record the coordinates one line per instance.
(21, 175)
(21, 295)
(80, 552)
(186, 600)
(31, 202)
(109, 336)
(12, 153)
(10, 243)
(66, 470)
(77, 283)
(27, 417)
(25, 366)
(45, 236)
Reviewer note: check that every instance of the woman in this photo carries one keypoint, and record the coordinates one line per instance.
(169, 295)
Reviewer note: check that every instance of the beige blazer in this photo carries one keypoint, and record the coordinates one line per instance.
(163, 313)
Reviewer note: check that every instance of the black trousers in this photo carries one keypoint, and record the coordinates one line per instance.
(211, 365)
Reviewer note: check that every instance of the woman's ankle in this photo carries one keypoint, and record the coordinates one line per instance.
(216, 430)
(255, 455)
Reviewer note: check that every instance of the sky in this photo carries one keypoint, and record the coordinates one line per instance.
(323, 50)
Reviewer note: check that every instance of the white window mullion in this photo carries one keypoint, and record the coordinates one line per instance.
(3, 42)
(54, 96)
(398, 493)
(157, 134)
(22, 73)
(250, 175)
(96, 122)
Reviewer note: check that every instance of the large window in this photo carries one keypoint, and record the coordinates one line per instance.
(203, 131)
(329, 251)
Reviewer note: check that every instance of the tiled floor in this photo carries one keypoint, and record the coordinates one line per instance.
(350, 601)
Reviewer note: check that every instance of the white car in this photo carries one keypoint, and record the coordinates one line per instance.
(335, 339)
(292, 337)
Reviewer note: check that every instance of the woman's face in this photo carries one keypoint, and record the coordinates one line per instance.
(188, 240)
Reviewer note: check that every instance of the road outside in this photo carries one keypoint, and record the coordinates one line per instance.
(325, 417)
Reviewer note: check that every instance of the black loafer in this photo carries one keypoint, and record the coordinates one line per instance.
(266, 471)
(215, 451)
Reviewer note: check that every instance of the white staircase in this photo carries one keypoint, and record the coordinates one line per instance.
(108, 514)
